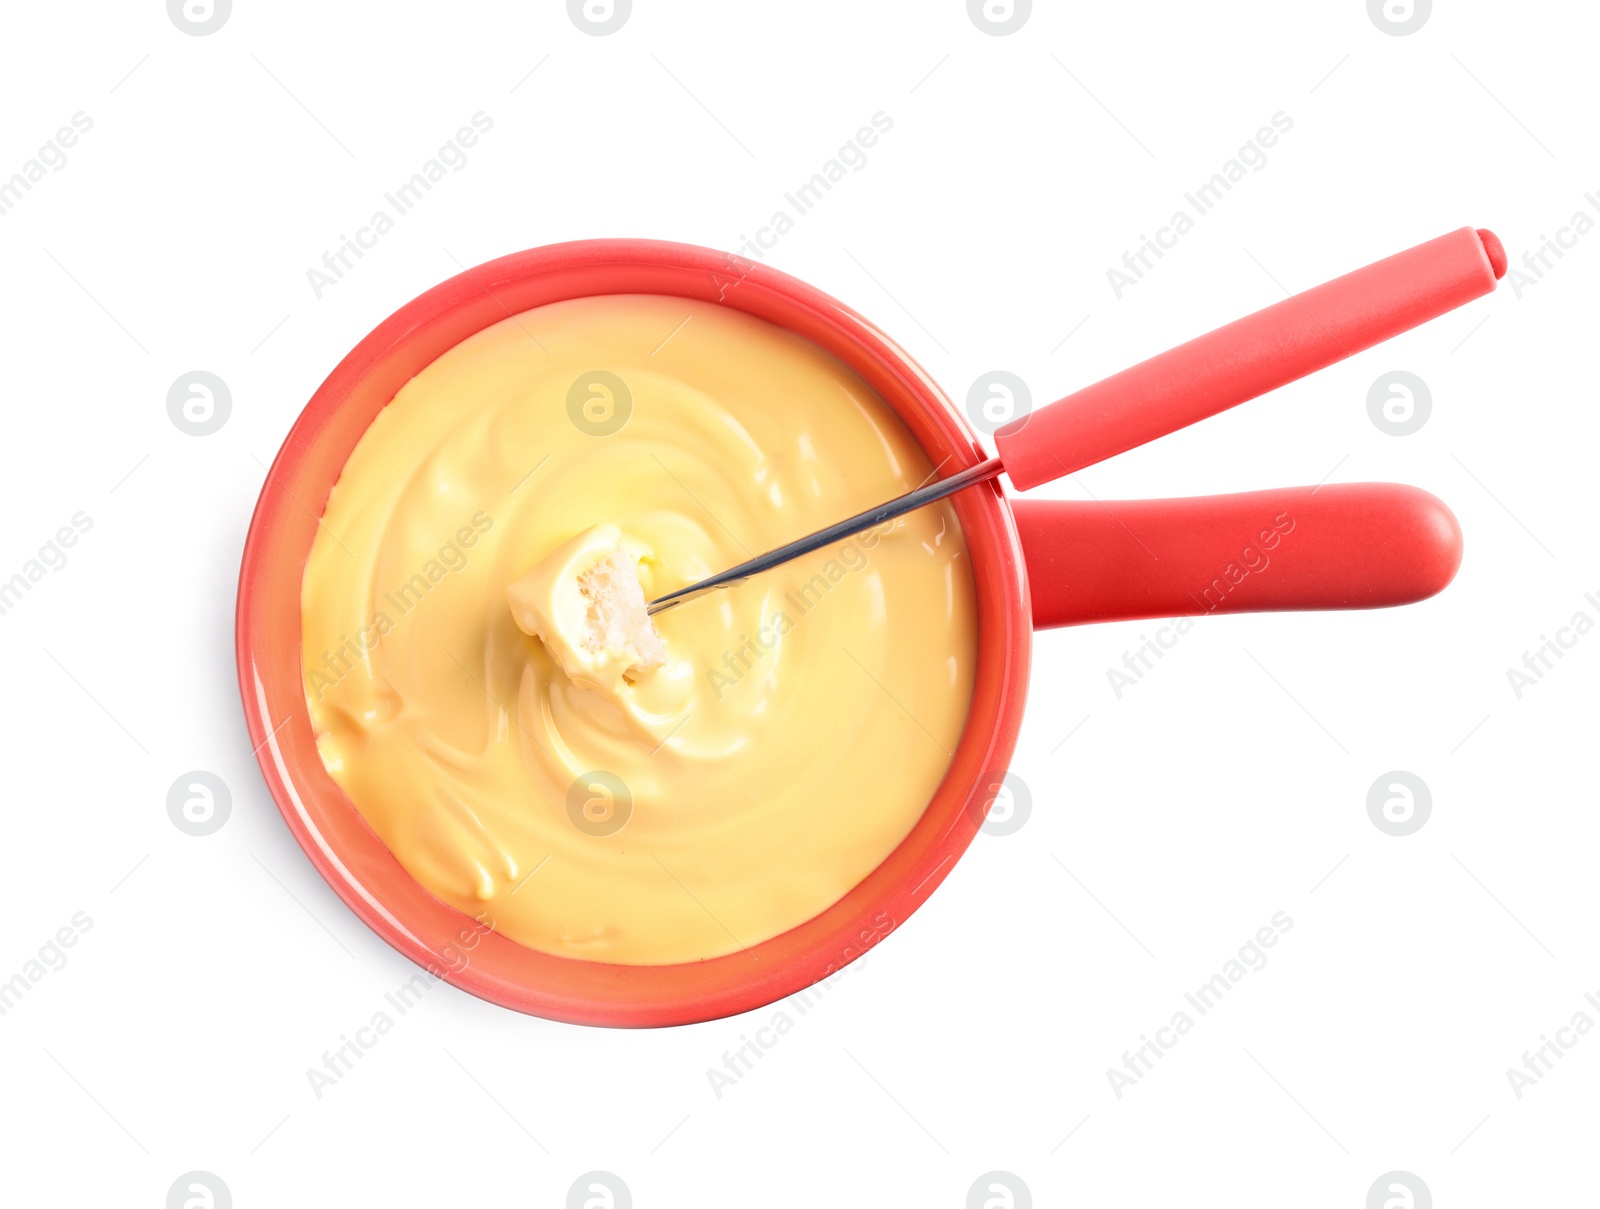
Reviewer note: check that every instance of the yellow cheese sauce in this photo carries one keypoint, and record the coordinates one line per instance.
(798, 723)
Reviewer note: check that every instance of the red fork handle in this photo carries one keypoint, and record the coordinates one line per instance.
(1251, 356)
(1342, 546)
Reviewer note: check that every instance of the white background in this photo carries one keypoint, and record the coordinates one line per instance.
(1019, 169)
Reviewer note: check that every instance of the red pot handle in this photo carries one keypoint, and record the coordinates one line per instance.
(1251, 356)
(1342, 546)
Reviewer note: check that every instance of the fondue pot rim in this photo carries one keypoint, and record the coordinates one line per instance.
(469, 952)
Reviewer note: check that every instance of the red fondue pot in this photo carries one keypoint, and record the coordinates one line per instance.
(1035, 564)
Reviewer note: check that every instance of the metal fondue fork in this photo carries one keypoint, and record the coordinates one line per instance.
(1261, 352)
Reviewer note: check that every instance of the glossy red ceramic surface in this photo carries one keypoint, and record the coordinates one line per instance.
(353, 860)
